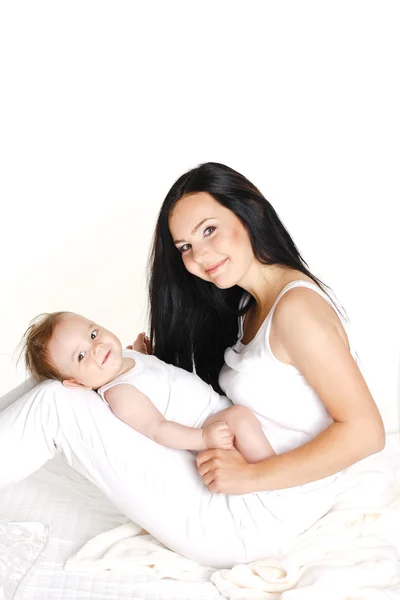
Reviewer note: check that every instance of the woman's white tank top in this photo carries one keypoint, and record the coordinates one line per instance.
(290, 411)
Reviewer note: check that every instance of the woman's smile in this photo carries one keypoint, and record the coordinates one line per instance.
(216, 268)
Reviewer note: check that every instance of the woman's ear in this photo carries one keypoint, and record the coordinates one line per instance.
(72, 383)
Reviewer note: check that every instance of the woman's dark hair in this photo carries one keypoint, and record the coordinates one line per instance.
(192, 321)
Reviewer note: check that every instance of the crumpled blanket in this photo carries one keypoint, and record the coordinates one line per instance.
(352, 553)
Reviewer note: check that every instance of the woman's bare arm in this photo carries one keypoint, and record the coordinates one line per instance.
(309, 335)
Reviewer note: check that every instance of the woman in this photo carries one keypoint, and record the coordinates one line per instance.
(232, 297)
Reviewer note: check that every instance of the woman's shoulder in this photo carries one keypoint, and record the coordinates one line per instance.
(307, 329)
(301, 305)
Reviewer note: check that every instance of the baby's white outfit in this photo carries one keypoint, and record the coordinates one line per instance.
(193, 399)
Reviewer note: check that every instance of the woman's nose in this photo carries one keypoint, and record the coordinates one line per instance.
(199, 254)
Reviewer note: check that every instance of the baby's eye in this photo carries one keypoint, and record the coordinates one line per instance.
(81, 356)
(93, 335)
(209, 230)
(184, 248)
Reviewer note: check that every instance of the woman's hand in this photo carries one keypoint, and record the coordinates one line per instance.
(226, 472)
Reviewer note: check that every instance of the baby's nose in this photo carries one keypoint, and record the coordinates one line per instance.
(97, 347)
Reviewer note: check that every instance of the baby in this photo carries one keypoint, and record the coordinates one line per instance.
(70, 348)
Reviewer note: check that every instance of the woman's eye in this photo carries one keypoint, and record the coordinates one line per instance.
(184, 248)
(81, 356)
(93, 335)
(209, 230)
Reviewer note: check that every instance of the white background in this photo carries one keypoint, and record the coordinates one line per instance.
(105, 104)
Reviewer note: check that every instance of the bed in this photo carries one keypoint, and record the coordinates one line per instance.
(76, 511)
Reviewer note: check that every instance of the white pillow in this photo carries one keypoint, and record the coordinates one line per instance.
(158, 488)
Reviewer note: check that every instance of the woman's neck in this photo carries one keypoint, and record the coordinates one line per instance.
(265, 282)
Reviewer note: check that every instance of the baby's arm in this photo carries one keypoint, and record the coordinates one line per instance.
(137, 411)
(249, 437)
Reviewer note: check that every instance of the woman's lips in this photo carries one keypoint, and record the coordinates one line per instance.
(215, 268)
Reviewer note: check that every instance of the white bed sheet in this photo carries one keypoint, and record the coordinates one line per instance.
(76, 511)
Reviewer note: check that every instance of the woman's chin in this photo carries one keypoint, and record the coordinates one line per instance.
(223, 284)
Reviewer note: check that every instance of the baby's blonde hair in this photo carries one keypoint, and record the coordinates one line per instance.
(35, 342)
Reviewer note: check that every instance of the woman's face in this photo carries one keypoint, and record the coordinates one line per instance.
(214, 244)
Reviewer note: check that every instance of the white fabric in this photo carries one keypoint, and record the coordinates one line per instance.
(128, 549)
(156, 487)
(170, 388)
(179, 395)
(21, 544)
(288, 408)
(351, 553)
(165, 494)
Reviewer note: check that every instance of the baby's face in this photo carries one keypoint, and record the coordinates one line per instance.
(84, 353)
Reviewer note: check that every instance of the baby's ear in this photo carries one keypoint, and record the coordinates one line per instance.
(72, 383)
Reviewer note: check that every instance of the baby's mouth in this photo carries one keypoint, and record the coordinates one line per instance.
(106, 357)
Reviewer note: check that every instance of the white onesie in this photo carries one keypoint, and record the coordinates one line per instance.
(193, 399)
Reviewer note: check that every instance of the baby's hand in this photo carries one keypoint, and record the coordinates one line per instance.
(218, 435)
(141, 344)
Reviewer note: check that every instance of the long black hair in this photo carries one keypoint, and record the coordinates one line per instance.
(192, 321)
